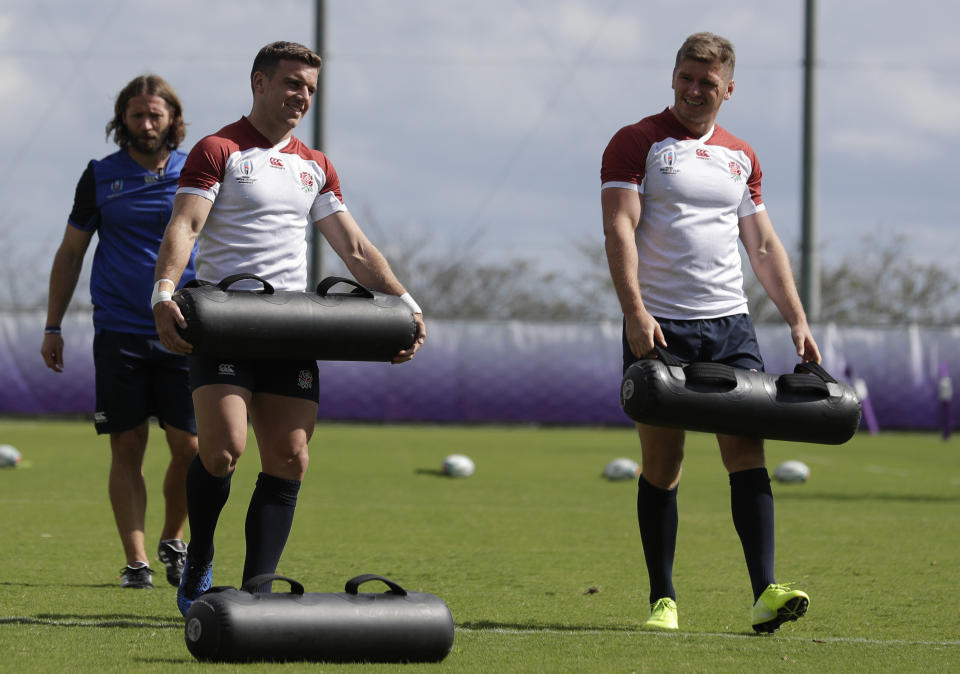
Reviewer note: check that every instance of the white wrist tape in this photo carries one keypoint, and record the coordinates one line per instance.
(411, 303)
(161, 295)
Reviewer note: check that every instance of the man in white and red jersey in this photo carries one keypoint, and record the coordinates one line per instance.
(245, 195)
(677, 193)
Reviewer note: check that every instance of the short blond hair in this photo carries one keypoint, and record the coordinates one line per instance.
(707, 48)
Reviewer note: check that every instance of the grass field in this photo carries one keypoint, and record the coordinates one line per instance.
(538, 557)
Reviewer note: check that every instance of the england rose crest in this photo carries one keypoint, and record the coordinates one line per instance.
(306, 181)
(735, 174)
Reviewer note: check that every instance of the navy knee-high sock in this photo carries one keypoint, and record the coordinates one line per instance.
(657, 517)
(751, 502)
(206, 496)
(269, 519)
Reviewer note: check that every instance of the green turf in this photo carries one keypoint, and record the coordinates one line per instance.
(536, 555)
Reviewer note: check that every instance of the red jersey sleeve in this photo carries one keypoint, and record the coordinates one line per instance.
(625, 158)
(206, 164)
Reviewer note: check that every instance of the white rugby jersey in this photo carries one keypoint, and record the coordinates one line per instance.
(694, 191)
(264, 196)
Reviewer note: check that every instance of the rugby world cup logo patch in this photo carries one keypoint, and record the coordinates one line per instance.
(245, 172)
(668, 160)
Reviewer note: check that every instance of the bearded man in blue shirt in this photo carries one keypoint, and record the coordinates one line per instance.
(126, 199)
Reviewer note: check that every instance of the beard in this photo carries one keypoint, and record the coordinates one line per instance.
(148, 144)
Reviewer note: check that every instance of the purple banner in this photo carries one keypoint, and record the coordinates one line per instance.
(519, 372)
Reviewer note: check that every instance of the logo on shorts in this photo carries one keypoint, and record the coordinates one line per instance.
(735, 173)
(305, 380)
(226, 369)
(306, 181)
(100, 417)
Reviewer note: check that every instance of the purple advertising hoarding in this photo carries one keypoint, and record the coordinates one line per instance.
(517, 372)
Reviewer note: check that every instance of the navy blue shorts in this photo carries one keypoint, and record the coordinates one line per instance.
(293, 378)
(137, 378)
(730, 340)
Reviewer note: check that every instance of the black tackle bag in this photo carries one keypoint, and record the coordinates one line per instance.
(359, 325)
(806, 406)
(230, 625)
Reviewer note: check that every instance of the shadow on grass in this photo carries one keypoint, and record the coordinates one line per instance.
(836, 496)
(14, 583)
(430, 471)
(96, 620)
(489, 625)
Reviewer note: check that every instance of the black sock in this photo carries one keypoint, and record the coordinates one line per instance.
(206, 496)
(657, 517)
(269, 519)
(751, 502)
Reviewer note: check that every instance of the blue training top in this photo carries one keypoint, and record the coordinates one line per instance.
(128, 206)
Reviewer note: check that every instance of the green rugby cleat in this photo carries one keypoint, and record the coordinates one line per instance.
(777, 605)
(663, 615)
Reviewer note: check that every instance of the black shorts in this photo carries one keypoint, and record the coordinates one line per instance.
(137, 378)
(292, 378)
(730, 340)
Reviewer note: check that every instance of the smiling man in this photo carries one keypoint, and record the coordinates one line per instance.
(677, 192)
(246, 194)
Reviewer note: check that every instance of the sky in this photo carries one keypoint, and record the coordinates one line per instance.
(480, 126)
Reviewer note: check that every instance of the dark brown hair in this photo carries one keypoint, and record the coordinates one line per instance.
(152, 85)
(267, 58)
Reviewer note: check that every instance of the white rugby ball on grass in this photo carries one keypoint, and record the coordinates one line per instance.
(790, 472)
(9, 456)
(458, 465)
(621, 469)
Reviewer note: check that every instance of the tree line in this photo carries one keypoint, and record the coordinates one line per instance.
(878, 285)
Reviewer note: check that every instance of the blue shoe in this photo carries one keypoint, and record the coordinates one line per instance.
(194, 581)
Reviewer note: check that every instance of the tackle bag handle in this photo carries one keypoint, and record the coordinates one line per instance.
(324, 286)
(667, 357)
(816, 369)
(243, 276)
(354, 583)
(702, 373)
(801, 380)
(253, 583)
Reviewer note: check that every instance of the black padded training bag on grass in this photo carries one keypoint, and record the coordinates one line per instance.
(806, 406)
(230, 625)
(359, 325)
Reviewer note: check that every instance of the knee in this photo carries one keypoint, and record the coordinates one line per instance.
(662, 460)
(218, 464)
(289, 463)
(128, 447)
(183, 445)
(740, 453)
